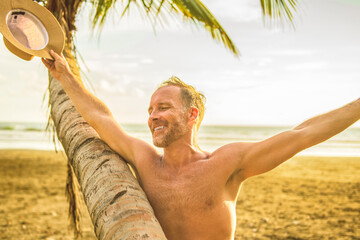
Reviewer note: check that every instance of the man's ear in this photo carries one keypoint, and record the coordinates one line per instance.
(194, 114)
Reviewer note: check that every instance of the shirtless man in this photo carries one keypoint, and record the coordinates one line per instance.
(194, 192)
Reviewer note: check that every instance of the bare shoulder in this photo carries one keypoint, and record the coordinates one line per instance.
(230, 152)
(229, 157)
(231, 149)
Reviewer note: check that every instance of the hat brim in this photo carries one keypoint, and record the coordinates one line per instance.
(56, 35)
(17, 51)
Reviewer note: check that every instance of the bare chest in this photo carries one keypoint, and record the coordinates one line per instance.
(189, 191)
(183, 196)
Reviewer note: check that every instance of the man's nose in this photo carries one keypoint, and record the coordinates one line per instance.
(153, 115)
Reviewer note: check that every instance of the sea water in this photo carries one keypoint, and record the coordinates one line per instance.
(33, 136)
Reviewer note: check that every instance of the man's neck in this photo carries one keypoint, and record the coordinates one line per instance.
(179, 154)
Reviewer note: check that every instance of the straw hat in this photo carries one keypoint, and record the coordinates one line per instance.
(29, 29)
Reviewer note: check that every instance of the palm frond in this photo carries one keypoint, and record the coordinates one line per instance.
(282, 10)
(196, 11)
(158, 10)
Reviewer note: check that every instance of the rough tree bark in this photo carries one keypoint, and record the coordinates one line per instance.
(118, 207)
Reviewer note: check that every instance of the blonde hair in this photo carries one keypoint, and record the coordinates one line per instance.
(191, 98)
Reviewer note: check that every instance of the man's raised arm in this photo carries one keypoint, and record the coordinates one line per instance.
(260, 157)
(96, 112)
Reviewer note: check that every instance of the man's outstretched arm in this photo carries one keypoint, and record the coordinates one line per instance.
(260, 157)
(95, 112)
(325, 126)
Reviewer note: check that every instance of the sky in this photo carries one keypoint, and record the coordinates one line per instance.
(282, 77)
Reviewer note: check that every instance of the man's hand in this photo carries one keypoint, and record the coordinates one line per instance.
(58, 68)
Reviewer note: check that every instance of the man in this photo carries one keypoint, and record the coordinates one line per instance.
(194, 192)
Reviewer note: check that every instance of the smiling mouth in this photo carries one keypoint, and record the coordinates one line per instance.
(158, 128)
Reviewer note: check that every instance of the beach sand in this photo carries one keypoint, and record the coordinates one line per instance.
(304, 198)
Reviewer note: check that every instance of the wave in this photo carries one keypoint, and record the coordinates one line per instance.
(22, 126)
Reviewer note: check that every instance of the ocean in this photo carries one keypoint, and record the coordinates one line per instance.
(26, 135)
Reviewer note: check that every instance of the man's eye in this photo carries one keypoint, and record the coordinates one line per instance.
(163, 108)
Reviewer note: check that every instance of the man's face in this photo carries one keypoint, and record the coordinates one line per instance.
(167, 116)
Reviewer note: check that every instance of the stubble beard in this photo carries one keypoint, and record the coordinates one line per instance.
(171, 134)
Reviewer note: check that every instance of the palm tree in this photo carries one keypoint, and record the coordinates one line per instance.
(117, 205)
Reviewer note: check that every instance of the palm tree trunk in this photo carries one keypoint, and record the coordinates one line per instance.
(118, 207)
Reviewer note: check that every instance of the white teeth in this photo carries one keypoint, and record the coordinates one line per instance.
(158, 128)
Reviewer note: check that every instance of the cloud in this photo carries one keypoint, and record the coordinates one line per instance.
(139, 92)
(108, 87)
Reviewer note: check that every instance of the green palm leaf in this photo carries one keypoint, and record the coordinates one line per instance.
(157, 10)
(195, 11)
(279, 9)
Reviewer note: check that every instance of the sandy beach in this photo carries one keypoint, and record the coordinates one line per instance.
(305, 198)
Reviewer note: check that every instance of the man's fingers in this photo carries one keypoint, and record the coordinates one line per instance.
(47, 63)
(55, 55)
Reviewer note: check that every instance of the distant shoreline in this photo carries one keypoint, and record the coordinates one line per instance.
(211, 137)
